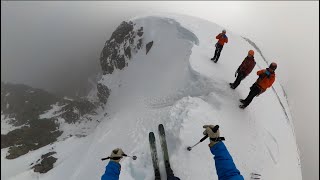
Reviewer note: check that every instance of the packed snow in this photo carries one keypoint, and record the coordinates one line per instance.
(177, 84)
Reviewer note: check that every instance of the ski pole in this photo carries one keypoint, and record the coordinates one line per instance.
(214, 129)
(133, 157)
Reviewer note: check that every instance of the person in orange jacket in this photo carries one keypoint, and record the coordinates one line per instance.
(219, 45)
(264, 81)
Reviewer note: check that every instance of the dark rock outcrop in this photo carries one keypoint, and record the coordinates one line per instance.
(118, 48)
(75, 109)
(24, 105)
(139, 45)
(46, 164)
(140, 32)
(103, 93)
(39, 133)
(148, 46)
(125, 41)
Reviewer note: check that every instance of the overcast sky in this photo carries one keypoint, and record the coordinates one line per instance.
(56, 46)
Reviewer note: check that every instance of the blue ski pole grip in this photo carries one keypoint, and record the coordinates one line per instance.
(214, 129)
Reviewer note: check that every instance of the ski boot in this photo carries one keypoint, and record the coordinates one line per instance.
(242, 106)
(242, 101)
(231, 86)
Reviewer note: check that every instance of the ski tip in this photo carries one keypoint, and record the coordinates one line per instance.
(256, 174)
(161, 129)
(151, 135)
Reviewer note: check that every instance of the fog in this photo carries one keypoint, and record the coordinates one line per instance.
(56, 46)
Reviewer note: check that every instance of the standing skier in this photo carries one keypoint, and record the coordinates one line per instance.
(225, 167)
(219, 45)
(265, 80)
(244, 69)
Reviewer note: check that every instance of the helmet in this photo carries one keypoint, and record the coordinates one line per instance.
(224, 31)
(273, 66)
(251, 52)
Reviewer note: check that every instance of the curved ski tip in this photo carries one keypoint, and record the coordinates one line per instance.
(151, 135)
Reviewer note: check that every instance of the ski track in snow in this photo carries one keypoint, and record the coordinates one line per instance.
(272, 146)
(178, 85)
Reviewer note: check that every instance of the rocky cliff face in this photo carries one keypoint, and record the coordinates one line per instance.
(125, 41)
(22, 108)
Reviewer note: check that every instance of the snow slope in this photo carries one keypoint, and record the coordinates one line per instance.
(177, 84)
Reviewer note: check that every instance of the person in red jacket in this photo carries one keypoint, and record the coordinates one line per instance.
(265, 80)
(222, 38)
(244, 69)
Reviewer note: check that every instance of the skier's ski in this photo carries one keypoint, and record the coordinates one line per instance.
(154, 156)
(164, 148)
(255, 176)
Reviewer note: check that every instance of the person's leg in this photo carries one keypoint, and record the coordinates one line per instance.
(218, 53)
(255, 90)
(215, 53)
(239, 78)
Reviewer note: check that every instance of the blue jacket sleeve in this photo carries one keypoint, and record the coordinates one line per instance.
(112, 171)
(225, 167)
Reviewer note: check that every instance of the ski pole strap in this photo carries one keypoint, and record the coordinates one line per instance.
(105, 158)
(113, 158)
(217, 139)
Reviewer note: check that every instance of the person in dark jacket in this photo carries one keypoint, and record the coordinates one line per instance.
(222, 38)
(225, 167)
(265, 80)
(244, 69)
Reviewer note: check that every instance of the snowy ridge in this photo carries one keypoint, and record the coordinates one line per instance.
(177, 85)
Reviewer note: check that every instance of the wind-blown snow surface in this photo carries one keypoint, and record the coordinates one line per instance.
(177, 84)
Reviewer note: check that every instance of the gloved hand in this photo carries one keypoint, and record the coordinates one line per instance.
(116, 155)
(211, 134)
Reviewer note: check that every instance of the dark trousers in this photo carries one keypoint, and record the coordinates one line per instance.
(239, 78)
(254, 90)
(217, 52)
